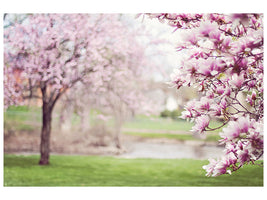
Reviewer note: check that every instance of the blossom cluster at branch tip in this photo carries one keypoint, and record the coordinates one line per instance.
(224, 60)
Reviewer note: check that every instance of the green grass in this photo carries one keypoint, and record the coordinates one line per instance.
(22, 118)
(109, 171)
(182, 137)
(158, 124)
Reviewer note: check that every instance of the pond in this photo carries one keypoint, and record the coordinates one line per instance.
(171, 151)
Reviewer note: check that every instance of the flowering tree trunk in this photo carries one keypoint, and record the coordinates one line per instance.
(46, 129)
(45, 134)
(47, 109)
(117, 140)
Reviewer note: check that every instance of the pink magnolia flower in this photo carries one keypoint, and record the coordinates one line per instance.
(237, 81)
(204, 104)
(221, 167)
(249, 100)
(191, 36)
(218, 65)
(244, 124)
(201, 123)
(227, 91)
(243, 63)
(216, 168)
(230, 147)
(223, 104)
(216, 110)
(256, 140)
(206, 28)
(186, 114)
(251, 84)
(215, 36)
(231, 131)
(191, 105)
(204, 67)
(243, 156)
(242, 17)
(237, 128)
(210, 167)
(220, 90)
(226, 44)
(210, 94)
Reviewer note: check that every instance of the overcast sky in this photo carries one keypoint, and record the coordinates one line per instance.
(169, 58)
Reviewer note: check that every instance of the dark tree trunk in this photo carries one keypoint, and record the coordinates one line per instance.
(49, 99)
(45, 134)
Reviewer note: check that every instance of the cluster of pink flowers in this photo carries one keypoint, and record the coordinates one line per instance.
(12, 92)
(224, 60)
(243, 141)
(51, 50)
(56, 51)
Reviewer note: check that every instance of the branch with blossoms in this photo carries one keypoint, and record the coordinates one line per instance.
(224, 60)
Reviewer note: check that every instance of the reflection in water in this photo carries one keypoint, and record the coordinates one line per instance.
(155, 150)
(198, 150)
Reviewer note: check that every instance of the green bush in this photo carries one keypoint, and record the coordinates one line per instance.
(175, 114)
(171, 114)
(165, 114)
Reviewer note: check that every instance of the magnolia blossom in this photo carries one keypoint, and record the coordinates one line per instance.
(202, 123)
(210, 167)
(237, 81)
(225, 62)
(243, 141)
(236, 129)
(223, 165)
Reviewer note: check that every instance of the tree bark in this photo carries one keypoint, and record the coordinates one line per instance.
(49, 100)
(117, 139)
(45, 134)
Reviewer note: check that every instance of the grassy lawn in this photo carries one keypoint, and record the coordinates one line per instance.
(158, 124)
(109, 171)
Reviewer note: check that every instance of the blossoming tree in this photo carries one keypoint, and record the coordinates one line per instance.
(121, 95)
(224, 59)
(47, 54)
